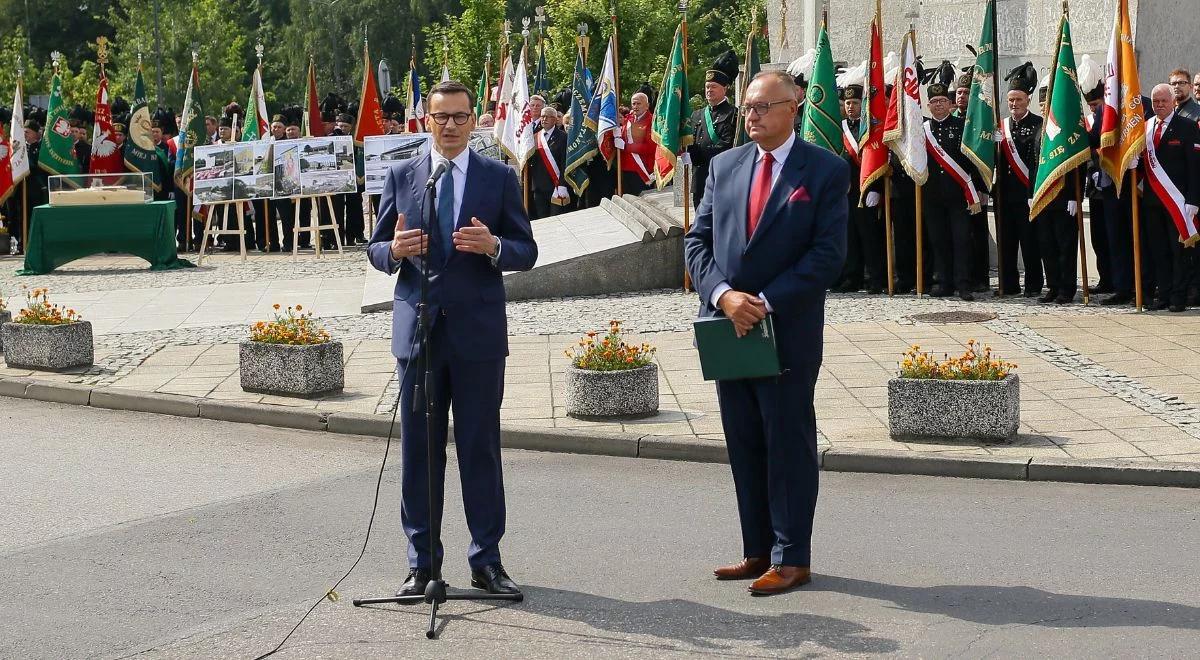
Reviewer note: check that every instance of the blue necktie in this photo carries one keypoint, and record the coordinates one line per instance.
(446, 219)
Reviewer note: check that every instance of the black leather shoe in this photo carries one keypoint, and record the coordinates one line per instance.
(874, 291)
(1177, 308)
(1119, 298)
(414, 585)
(1160, 305)
(1032, 294)
(940, 292)
(494, 580)
(1049, 297)
(1063, 300)
(966, 296)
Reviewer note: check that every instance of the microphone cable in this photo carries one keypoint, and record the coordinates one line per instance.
(332, 594)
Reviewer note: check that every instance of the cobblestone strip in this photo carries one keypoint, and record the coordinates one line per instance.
(1167, 407)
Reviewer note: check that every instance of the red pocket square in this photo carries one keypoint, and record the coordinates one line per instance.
(800, 195)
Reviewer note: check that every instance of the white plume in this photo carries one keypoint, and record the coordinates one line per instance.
(1089, 74)
(854, 76)
(803, 65)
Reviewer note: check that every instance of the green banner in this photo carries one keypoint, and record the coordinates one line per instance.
(195, 133)
(670, 128)
(1064, 136)
(978, 143)
(58, 154)
(140, 153)
(749, 70)
(822, 111)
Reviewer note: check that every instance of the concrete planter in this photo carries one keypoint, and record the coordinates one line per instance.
(48, 347)
(288, 370)
(923, 409)
(5, 317)
(627, 394)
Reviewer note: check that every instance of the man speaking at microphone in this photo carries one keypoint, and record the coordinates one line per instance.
(482, 231)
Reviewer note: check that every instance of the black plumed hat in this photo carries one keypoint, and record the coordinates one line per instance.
(724, 69)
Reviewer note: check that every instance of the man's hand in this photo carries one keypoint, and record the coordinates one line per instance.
(743, 309)
(477, 239)
(408, 242)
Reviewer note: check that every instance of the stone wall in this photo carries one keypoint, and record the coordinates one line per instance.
(1168, 31)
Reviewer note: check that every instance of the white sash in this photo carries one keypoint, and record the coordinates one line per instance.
(952, 168)
(637, 159)
(850, 141)
(1166, 191)
(543, 149)
(1016, 163)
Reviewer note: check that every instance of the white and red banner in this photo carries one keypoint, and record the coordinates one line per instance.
(518, 129)
(955, 171)
(903, 128)
(106, 155)
(543, 149)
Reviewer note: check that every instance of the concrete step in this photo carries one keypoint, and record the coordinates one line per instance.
(672, 224)
(659, 230)
(625, 217)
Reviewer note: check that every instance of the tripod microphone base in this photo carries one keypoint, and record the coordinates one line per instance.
(436, 593)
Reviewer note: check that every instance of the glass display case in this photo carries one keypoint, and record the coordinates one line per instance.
(100, 189)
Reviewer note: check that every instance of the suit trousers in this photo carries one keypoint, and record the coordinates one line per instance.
(1019, 234)
(1173, 263)
(1058, 238)
(542, 208)
(1118, 224)
(949, 227)
(771, 435)
(266, 214)
(355, 222)
(475, 389)
(865, 249)
(283, 211)
(981, 250)
(632, 184)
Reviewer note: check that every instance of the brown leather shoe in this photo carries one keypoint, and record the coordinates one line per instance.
(779, 579)
(746, 569)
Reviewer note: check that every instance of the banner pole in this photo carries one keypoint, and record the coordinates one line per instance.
(1082, 241)
(24, 213)
(1137, 240)
(887, 229)
(920, 243)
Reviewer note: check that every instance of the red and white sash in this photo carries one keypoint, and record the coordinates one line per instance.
(1015, 163)
(637, 159)
(850, 142)
(1166, 191)
(543, 149)
(952, 168)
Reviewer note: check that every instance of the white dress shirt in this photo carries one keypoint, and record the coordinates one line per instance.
(458, 174)
(780, 154)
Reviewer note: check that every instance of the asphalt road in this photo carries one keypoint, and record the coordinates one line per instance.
(130, 534)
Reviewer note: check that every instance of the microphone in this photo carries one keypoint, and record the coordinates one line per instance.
(437, 174)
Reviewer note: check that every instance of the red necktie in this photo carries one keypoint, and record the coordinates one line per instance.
(1158, 133)
(759, 193)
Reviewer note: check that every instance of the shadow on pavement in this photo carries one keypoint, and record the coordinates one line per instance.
(992, 605)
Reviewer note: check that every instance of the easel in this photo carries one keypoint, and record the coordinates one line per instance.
(370, 213)
(224, 230)
(315, 225)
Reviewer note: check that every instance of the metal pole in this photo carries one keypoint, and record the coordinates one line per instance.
(616, 44)
(687, 170)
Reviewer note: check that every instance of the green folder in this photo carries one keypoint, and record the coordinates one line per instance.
(725, 356)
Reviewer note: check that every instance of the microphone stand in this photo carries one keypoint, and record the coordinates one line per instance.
(437, 591)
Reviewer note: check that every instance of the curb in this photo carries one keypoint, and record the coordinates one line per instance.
(628, 445)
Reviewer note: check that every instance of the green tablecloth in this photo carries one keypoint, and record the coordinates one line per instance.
(61, 234)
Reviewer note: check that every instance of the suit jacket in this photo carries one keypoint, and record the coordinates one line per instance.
(941, 187)
(797, 250)
(539, 176)
(1179, 153)
(467, 289)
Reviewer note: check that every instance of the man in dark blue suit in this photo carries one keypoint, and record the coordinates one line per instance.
(770, 238)
(483, 231)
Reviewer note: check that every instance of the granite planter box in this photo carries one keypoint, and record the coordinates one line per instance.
(924, 409)
(48, 347)
(5, 317)
(291, 370)
(626, 394)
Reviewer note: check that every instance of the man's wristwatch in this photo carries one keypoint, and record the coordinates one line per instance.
(495, 249)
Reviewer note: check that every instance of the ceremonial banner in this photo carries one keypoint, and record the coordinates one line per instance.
(370, 112)
(872, 150)
(982, 119)
(822, 123)
(195, 133)
(256, 110)
(14, 156)
(518, 131)
(140, 155)
(57, 155)
(1064, 138)
(7, 185)
(503, 103)
(481, 91)
(313, 127)
(581, 137)
(413, 105)
(670, 129)
(1122, 133)
(540, 84)
(750, 68)
(602, 109)
(106, 155)
(904, 129)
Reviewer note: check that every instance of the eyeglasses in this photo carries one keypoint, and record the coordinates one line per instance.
(443, 118)
(1177, 83)
(761, 109)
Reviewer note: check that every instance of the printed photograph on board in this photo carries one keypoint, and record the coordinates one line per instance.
(233, 172)
(381, 152)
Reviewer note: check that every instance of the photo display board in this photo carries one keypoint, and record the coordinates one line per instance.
(233, 172)
(308, 167)
(381, 152)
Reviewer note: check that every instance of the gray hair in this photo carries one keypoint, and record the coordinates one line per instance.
(641, 94)
(1165, 88)
(538, 97)
(778, 75)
